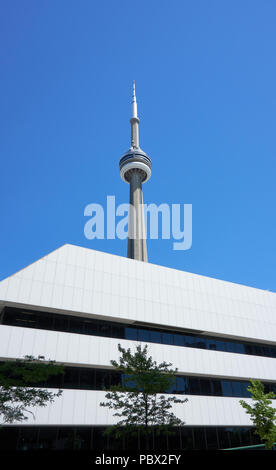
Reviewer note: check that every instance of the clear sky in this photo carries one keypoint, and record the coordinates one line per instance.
(205, 75)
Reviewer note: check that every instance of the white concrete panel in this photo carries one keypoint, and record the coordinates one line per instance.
(63, 346)
(67, 299)
(73, 348)
(46, 294)
(51, 344)
(69, 276)
(77, 299)
(50, 271)
(27, 340)
(39, 270)
(79, 277)
(82, 407)
(11, 343)
(87, 300)
(24, 290)
(60, 273)
(89, 279)
(57, 297)
(11, 288)
(36, 292)
(83, 356)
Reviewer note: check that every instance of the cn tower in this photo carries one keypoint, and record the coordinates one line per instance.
(135, 169)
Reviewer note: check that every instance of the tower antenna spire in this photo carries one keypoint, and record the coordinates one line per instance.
(134, 102)
(134, 121)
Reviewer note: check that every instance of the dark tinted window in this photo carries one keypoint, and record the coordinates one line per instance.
(179, 340)
(8, 438)
(167, 338)
(156, 337)
(66, 438)
(194, 384)
(245, 436)
(118, 331)
(100, 440)
(61, 323)
(90, 328)
(72, 377)
(143, 335)
(160, 441)
(104, 330)
(182, 385)
(102, 379)
(216, 388)
(28, 438)
(44, 322)
(47, 437)
(131, 442)
(220, 345)
(82, 438)
(211, 344)
(230, 347)
(190, 341)
(240, 348)
(249, 349)
(76, 325)
(205, 387)
(226, 388)
(212, 438)
(234, 436)
(87, 379)
(131, 333)
(223, 438)
(199, 438)
(27, 320)
(174, 439)
(245, 392)
(237, 389)
(186, 435)
(200, 343)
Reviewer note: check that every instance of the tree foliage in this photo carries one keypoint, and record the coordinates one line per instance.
(16, 386)
(262, 414)
(139, 401)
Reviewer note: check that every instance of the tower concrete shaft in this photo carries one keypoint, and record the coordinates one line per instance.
(137, 244)
(135, 169)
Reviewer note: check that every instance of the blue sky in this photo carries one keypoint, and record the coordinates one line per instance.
(205, 75)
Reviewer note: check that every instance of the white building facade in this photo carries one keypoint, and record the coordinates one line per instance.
(75, 305)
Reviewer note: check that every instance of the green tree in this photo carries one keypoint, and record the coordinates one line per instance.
(139, 399)
(17, 392)
(262, 414)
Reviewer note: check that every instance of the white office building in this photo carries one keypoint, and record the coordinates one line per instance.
(75, 305)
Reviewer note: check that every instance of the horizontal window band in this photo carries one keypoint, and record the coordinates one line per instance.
(86, 378)
(93, 327)
(93, 438)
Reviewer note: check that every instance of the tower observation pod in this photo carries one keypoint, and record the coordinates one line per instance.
(135, 169)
